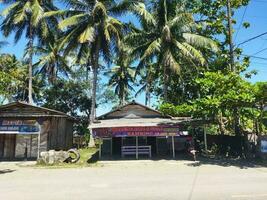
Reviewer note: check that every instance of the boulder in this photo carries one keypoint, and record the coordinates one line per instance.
(51, 157)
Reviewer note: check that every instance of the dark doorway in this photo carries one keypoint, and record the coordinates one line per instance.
(9, 146)
(153, 143)
(116, 145)
(162, 146)
(106, 146)
(2, 145)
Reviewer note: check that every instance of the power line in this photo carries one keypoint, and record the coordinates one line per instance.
(259, 1)
(259, 63)
(250, 39)
(256, 57)
(259, 51)
(241, 22)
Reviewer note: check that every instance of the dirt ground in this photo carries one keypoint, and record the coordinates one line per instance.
(135, 180)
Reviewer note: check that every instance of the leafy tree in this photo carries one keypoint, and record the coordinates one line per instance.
(220, 95)
(26, 16)
(261, 101)
(68, 96)
(12, 74)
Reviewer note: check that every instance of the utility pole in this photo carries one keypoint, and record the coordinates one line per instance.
(230, 36)
(232, 62)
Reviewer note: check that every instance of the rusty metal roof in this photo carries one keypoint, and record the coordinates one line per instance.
(6, 111)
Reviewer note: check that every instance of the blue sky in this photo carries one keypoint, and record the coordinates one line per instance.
(255, 13)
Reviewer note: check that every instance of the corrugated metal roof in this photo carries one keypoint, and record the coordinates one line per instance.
(141, 122)
(104, 116)
(47, 112)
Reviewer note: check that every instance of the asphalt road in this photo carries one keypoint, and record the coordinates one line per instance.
(135, 180)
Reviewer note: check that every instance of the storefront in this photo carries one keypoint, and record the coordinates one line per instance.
(27, 130)
(137, 130)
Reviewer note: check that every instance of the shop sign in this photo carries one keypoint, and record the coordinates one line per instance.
(264, 146)
(137, 131)
(19, 127)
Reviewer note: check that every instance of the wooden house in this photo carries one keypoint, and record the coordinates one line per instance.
(135, 129)
(27, 130)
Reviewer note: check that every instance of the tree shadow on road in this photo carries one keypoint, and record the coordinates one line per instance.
(5, 171)
(225, 162)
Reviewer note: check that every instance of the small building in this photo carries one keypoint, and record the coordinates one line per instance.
(135, 129)
(27, 130)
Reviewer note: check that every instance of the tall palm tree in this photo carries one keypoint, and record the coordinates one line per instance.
(167, 36)
(2, 44)
(93, 22)
(122, 75)
(26, 16)
(147, 75)
(52, 62)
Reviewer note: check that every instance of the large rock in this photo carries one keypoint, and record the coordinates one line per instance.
(51, 157)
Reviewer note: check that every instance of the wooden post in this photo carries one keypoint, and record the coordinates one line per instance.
(173, 147)
(39, 144)
(205, 138)
(31, 146)
(136, 146)
(111, 147)
(100, 143)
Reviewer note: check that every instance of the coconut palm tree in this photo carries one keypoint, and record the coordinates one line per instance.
(147, 75)
(92, 22)
(26, 16)
(52, 62)
(2, 44)
(167, 37)
(122, 75)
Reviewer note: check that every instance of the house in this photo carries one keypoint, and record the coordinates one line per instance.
(135, 129)
(26, 130)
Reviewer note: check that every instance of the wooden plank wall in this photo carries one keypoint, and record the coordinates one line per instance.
(2, 145)
(60, 134)
(69, 134)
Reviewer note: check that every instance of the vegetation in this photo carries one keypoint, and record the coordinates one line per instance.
(81, 54)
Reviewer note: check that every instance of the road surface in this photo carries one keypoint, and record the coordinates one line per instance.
(135, 180)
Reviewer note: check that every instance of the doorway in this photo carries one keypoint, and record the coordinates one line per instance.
(116, 146)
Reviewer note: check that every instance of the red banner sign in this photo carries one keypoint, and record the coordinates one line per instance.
(137, 131)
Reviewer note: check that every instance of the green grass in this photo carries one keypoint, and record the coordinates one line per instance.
(86, 160)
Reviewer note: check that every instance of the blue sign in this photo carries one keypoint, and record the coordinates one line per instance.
(19, 127)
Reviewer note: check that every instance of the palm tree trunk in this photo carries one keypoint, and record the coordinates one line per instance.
(30, 65)
(165, 84)
(95, 65)
(147, 99)
(93, 106)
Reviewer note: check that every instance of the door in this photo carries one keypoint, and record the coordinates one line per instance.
(9, 146)
(151, 141)
(116, 145)
(162, 146)
(2, 145)
(106, 147)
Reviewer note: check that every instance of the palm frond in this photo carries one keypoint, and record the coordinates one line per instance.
(71, 21)
(152, 48)
(200, 41)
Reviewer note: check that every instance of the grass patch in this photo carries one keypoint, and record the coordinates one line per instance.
(87, 159)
